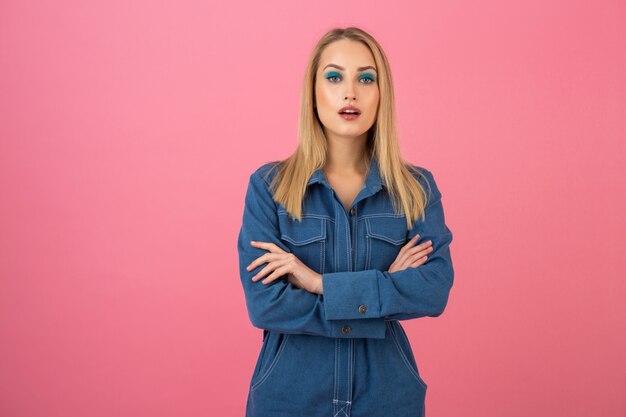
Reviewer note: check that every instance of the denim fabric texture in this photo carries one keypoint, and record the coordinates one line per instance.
(342, 353)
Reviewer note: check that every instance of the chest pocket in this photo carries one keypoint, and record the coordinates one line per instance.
(385, 235)
(305, 239)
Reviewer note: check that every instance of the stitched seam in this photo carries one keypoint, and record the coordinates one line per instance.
(338, 366)
(356, 243)
(347, 227)
(336, 358)
(404, 358)
(281, 349)
(322, 235)
(341, 410)
(335, 247)
(369, 216)
(314, 216)
(368, 246)
(323, 250)
(352, 342)
(387, 239)
(302, 242)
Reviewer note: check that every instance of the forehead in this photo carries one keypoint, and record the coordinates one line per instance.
(348, 54)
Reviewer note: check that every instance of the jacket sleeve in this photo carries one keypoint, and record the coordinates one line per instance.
(401, 295)
(280, 306)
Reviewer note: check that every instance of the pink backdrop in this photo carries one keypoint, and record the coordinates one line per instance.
(129, 129)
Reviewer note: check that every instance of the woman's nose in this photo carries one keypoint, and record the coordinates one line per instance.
(350, 95)
(350, 92)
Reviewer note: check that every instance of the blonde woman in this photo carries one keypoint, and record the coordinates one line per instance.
(339, 243)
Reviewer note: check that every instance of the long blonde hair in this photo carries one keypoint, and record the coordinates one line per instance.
(290, 182)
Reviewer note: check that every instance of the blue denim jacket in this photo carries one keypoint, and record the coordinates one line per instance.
(343, 352)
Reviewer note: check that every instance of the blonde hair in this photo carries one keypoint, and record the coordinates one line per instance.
(290, 182)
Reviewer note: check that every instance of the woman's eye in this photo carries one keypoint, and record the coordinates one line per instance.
(334, 78)
(331, 75)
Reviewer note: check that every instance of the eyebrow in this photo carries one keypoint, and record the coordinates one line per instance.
(342, 68)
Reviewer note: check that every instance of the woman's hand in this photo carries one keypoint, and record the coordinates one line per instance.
(280, 263)
(411, 256)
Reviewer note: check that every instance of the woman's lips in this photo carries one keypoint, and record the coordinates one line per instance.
(348, 116)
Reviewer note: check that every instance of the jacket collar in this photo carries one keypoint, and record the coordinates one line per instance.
(373, 181)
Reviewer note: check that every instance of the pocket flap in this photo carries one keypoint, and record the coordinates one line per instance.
(310, 229)
(387, 228)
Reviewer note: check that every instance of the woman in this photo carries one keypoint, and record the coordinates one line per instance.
(339, 242)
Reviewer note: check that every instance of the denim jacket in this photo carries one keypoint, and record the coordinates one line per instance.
(343, 352)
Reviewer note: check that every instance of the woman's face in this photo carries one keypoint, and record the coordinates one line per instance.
(346, 76)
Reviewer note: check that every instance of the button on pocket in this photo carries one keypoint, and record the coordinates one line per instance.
(385, 235)
(306, 239)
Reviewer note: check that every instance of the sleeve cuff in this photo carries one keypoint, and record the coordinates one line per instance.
(351, 295)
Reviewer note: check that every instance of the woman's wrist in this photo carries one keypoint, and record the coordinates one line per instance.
(320, 284)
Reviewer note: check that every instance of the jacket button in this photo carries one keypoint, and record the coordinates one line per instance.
(352, 211)
(346, 329)
(362, 309)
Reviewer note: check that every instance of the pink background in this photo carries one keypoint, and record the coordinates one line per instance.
(129, 129)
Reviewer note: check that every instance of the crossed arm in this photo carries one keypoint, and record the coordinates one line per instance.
(295, 299)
